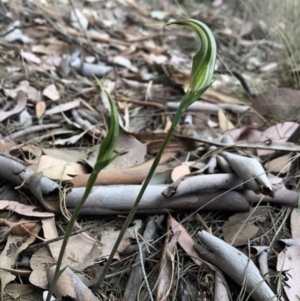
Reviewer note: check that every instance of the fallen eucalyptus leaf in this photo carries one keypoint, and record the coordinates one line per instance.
(250, 171)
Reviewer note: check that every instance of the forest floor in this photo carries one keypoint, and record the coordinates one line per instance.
(53, 120)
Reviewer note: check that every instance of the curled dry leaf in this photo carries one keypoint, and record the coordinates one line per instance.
(14, 33)
(22, 229)
(185, 241)
(23, 209)
(180, 171)
(87, 69)
(225, 123)
(30, 57)
(15, 228)
(21, 104)
(224, 164)
(51, 92)
(40, 108)
(166, 272)
(250, 171)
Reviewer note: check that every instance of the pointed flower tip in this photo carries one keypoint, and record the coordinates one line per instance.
(98, 83)
(204, 61)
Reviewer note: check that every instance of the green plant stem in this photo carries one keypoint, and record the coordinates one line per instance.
(103, 159)
(69, 230)
(132, 212)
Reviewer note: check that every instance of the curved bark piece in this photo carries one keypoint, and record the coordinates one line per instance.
(263, 266)
(117, 199)
(14, 170)
(70, 286)
(282, 196)
(220, 291)
(290, 242)
(235, 264)
(251, 171)
(190, 194)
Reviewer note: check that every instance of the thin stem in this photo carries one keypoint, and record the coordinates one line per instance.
(69, 231)
(140, 195)
(142, 265)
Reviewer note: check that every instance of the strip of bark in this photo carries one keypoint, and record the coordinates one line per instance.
(235, 264)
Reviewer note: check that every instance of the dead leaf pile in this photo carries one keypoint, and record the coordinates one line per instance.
(234, 157)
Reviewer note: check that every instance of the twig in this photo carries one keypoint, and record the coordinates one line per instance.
(126, 270)
(289, 147)
(142, 265)
(33, 129)
(49, 241)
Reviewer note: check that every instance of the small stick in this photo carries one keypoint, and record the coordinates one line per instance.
(49, 241)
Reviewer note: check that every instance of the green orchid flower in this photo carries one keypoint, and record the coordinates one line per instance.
(201, 78)
(203, 62)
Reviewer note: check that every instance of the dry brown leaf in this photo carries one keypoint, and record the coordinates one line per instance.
(273, 103)
(51, 92)
(64, 287)
(279, 165)
(245, 133)
(220, 97)
(108, 239)
(225, 123)
(35, 151)
(166, 273)
(40, 108)
(49, 228)
(277, 133)
(134, 153)
(23, 209)
(55, 46)
(125, 62)
(22, 229)
(289, 261)
(38, 263)
(8, 257)
(185, 241)
(133, 175)
(30, 57)
(78, 19)
(59, 170)
(240, 227)
(5, 145)
(66, 154)
(180, 171)
(80, 252)
(25, 290)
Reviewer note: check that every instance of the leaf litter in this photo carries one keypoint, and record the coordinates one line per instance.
(49, 101)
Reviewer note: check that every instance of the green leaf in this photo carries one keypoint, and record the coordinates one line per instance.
(105, 156)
